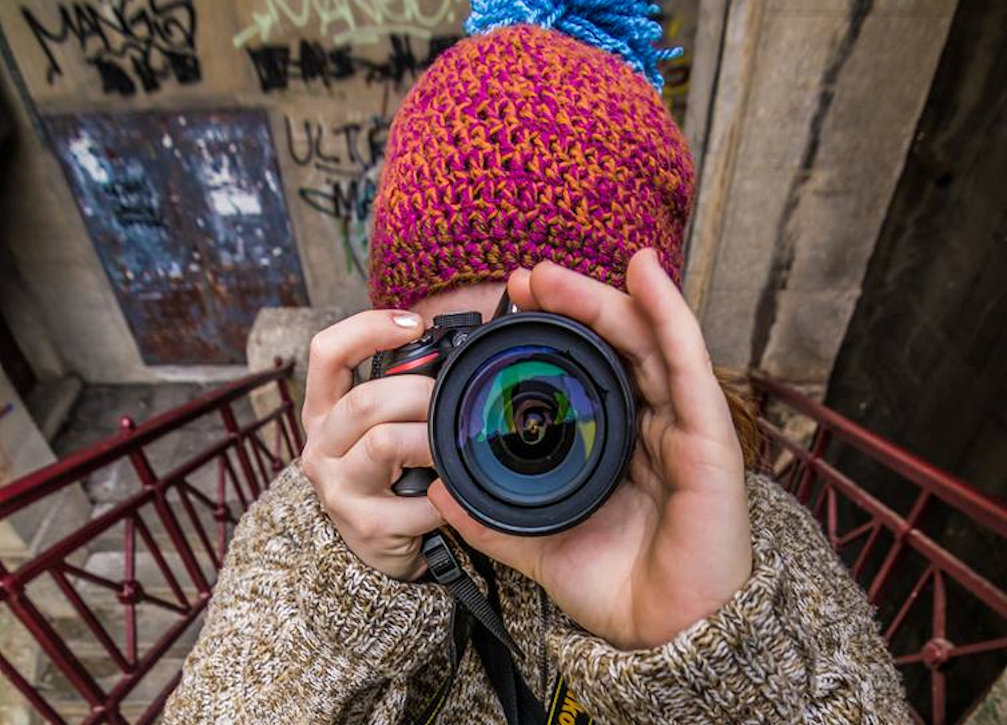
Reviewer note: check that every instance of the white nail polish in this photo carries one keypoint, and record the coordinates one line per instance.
(410, 322)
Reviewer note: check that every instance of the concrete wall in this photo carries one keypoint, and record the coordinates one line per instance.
(814, 107)
(24, 449)
(69, 318)
(328, 115)
(928, 341)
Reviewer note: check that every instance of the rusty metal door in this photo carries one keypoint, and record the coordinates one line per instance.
(188, 217)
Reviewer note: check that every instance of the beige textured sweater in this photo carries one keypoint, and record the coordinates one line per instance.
(301, 631)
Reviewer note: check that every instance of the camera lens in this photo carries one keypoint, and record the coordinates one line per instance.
(529, 422)
(532, 423)
(536, 430)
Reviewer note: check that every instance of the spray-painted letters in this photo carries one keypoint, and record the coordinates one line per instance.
(129, 43)
(347, 158)
(342, 21)
(312, 64)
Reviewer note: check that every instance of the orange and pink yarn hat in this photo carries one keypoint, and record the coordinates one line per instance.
(542, 136)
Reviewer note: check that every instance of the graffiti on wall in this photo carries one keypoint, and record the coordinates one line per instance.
(314, 65)
(343, 21)
(187, 216)
(325, 48)
(320, 47)
(131, 44)
(341, 164)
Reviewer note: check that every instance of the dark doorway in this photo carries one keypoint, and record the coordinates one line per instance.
(14, 363)
(924, 361)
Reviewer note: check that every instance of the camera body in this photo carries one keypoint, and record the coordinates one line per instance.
(426, 355)
(532, 419)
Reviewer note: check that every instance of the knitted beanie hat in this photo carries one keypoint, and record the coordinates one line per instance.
(542, 137)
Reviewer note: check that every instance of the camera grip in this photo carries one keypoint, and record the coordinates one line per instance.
(414, 481)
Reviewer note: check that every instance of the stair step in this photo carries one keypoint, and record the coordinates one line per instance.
(62, 696)
(113, 538)
(151, 624)
(111, 565)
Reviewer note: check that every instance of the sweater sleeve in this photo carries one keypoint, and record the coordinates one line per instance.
(798, 643)
(300, 630)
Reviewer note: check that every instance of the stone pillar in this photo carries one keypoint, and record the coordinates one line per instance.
(814, 108)
(285, 332)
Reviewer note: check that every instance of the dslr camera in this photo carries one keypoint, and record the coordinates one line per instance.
(532, 420)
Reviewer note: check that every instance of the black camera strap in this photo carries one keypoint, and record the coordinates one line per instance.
(519, 703)
(461, 632)
(446, 570)
(494, 644)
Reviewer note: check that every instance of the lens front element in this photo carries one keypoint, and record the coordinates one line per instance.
(529, 422)
(532, 423)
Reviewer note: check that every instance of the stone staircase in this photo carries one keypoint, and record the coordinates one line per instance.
(105, 557)
(152, 622)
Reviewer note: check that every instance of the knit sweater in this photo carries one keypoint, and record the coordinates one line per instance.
(299, 630)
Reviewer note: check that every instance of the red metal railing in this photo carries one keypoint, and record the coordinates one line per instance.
(244, 464)
(880, 542)
(169, 502)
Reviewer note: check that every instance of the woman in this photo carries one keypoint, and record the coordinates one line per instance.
(697, 593)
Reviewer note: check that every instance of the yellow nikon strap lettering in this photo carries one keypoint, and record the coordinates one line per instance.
(564, 708)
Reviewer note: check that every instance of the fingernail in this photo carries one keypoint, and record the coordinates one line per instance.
(408, 321)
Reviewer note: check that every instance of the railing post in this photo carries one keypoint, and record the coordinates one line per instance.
(277, 466)
(150, 481)
(127, 596)
(221, 513)
(819, 442)
(66, 662)
(940, 645)
(288, 406)
(231, 424)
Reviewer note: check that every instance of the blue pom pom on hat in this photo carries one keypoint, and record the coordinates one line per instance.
(622, 27)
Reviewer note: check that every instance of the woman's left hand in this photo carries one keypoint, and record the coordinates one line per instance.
(672, 544)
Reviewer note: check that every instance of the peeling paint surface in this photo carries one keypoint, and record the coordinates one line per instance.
(187, 218)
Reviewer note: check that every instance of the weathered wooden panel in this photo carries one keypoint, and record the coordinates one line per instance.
(188, 217)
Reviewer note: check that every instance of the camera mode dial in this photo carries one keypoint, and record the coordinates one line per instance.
(458, 319)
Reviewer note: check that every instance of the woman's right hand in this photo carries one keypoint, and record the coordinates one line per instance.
(359, 438)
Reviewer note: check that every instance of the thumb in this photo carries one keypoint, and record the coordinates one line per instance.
(517, 552)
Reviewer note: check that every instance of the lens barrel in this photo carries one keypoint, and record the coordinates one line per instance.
(532, 423)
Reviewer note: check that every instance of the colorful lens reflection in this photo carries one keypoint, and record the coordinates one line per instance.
(529, 425)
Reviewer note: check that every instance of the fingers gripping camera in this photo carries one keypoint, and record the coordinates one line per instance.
(532, 420)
